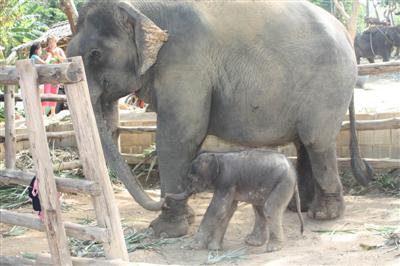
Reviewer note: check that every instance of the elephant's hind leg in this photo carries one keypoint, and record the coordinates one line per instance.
(259, 234)
(328, 200)
(274, 208)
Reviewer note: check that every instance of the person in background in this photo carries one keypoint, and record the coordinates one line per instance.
(53, 55)
(34, 54)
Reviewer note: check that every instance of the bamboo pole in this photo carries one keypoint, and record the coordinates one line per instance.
(9, 131)
(94, 165)
(33, 222)
(50, 204)
(65, 73)
(63, 184)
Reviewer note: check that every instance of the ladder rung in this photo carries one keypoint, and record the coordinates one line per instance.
(78, 231)
(63, 184)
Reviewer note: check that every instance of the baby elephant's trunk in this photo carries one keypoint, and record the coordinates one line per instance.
(296, 192)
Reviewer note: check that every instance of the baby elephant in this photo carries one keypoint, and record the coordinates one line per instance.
(266, 179)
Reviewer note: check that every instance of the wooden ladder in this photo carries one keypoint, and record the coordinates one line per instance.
(98, 185)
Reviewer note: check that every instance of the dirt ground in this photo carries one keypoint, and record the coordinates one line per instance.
(337, 242)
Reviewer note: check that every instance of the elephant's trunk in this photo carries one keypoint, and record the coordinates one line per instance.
(117, 163)
(361, 169)
(179, 196)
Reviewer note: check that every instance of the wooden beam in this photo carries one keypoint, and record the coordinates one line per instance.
(136, 129)
(9, 130)
(44, 98)
(390, 123)
(63, 184)
(48, 194)
(379, 68)
(375, 163)
(94, 164)
(33, 222)
(65, 73)
(345, 162)
(378, 124)
(56, 135)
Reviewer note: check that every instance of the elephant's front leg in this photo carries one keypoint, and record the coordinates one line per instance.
(182, 123)
(173, 163)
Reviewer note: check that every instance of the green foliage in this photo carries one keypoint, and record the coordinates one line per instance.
(25, 20)
(19, 24)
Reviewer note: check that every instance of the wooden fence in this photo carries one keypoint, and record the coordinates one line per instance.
(98, 185)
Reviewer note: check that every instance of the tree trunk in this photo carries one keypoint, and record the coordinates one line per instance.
(352, 24)
(69, 9)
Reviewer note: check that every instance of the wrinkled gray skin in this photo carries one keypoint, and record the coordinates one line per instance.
(378, 41)
(250, 72)
(265, 179)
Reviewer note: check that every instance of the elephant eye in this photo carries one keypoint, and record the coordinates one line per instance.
(95, 56)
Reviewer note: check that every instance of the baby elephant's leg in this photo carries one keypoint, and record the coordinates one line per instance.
(219, 209)
(259, 235)
(275, 206)
(220, 229)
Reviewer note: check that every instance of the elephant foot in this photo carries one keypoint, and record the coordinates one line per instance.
(326, 206)
(214, 245)
(174, 220)
(273, 246)
(198, 243)
(255, 239)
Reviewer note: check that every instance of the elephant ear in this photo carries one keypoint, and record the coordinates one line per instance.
(214, 168)
(149, 38)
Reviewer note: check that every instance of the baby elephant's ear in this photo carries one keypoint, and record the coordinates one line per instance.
(149, 38)
(214, 166)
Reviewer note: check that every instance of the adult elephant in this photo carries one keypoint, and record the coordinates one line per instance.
(250, 72)
(377, 41)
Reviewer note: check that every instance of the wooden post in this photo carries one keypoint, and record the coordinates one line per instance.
(10, 140)
(94, 164)
(49, 198)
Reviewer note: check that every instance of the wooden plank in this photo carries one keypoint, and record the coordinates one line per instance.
(69, 185)
(78, 231)
(9, 131)
(390, 123)
(57, 135)
(44, 98)
(49, 199)
(133, 159)
(94, 165)
(65, 73)
(379, 68)
(136, 129)
(375, 163)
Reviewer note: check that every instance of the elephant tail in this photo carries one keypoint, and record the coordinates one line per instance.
(362, 170)
(298, 207)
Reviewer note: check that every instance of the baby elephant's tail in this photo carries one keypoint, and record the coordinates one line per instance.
(296, 192)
